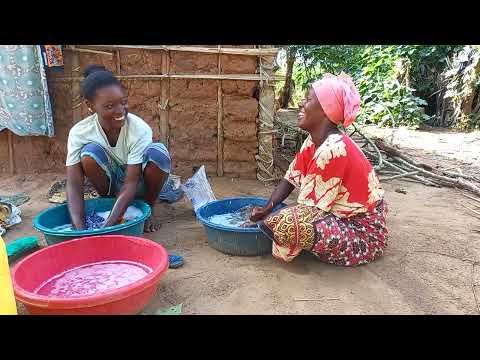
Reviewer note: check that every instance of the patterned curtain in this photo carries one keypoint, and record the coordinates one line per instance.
(25, 107)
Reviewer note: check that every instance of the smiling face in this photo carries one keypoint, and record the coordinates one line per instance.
(311, 114)
(111, 105)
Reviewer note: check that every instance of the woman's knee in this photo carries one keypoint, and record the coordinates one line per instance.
(95, 152)
(88, 163)
(158, 154)
(93, 155)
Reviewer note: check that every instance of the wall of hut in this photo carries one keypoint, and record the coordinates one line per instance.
(211, 122)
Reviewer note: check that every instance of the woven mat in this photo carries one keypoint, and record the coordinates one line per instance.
(17, 199)
(58, 192)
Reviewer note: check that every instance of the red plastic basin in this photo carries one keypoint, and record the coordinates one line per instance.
(31, 272)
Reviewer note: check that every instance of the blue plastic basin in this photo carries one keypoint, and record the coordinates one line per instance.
(234, 240)
(49, 219)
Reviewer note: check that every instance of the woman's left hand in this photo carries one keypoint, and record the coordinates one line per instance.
(248, 224)
(259, 213)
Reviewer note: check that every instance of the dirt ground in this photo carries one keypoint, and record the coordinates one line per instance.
(437, 144)
(428, 268)
(447, 143)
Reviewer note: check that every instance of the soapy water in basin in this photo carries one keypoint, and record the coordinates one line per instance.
(239, 218)
(93, 278)
(95, 220)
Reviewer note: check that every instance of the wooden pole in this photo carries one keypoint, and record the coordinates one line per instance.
(11, 158)
(265, 161)
(220, 133)
(76, 93)
(243, 77)
(118, 63)
(75, 49)
(270, 51)
(165, 89)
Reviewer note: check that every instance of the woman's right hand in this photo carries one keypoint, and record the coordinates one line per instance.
(281, 192)
(259, 212)
(76, 206)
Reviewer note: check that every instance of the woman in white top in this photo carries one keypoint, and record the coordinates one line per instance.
(114, 150)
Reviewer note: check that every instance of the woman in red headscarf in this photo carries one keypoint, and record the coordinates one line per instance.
(340, 211)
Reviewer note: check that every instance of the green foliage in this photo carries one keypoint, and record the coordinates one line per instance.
(395, 81)
(387, 98)
(319, 59)
(460, 104)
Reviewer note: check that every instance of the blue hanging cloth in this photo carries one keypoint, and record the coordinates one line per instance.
(25, 107)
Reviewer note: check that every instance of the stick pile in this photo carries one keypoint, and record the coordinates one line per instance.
(390, 163)
(389, 160)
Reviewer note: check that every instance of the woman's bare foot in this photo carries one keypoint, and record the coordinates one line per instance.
(152, 224)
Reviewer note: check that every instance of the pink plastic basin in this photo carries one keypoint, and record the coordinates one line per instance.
(31, 272)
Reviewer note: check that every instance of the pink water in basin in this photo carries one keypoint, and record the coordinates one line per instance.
(107, 274)
(93, 279)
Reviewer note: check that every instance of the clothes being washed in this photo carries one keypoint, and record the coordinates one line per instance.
(239, 218)
(95, 220)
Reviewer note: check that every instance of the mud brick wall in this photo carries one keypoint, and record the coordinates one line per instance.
(192, 111)
(4, 166)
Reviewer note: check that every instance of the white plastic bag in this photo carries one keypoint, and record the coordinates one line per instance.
(171, 191)
(198, 189)
(9, 216)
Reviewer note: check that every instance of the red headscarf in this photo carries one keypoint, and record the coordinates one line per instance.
(338, 97)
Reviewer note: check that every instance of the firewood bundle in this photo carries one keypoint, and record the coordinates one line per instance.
(389, 160)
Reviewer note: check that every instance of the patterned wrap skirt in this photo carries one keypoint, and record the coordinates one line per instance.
(349, 241)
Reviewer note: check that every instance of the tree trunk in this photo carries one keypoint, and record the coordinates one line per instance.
(287, 91)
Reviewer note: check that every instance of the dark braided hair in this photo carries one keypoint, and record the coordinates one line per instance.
(96, 77)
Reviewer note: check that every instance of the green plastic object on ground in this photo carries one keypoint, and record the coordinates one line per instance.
(17, 199)
(174, 310)
(20, 246)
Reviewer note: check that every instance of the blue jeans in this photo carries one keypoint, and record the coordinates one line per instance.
(156, 153)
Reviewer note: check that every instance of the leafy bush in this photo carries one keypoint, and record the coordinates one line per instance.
(396, 82)
(388, 99)
(459, 102)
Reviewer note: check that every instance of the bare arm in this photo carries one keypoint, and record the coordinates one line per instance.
(281, 192)
(76, 205)
(127, 194)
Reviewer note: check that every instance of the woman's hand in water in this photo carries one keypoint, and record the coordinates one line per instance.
(248, 224)
(281, 192)
(259, 213)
